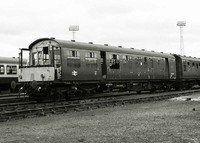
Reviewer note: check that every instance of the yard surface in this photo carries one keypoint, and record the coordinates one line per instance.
(171, 121)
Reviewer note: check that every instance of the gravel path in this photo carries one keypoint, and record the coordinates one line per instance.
(171, 121)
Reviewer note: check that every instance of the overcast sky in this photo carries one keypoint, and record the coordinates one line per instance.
(141, 24)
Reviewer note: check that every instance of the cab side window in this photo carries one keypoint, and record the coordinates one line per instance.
(35, 59)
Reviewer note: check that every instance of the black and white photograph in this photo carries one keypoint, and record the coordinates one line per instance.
(99, 71)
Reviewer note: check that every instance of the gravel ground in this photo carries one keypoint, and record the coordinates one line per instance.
(171, 121)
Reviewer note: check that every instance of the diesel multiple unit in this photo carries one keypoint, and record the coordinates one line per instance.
(60, 68)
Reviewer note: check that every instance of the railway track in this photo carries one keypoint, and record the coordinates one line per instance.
(32, 109)
(12, 98)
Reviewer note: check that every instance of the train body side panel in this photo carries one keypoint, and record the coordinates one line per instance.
(187, 68)
(80, 65)
(8, 72)
(37, 74)
(139, 67)
(191, 68)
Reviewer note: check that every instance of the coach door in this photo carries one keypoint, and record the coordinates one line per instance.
(103, 64)
(57, 62)
(150, 68)
(166, 68)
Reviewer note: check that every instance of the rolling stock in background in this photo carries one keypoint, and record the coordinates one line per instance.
(64, 69)
(8, 72)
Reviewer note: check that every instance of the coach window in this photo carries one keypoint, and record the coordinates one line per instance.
(73, 59)
(114, 61)
(91, 55)
(11, 69)
(126, 58)
(188, 63)
(73, 54)
(184, 67)
(140, 63)
(145, 60)
(91, 59)
(159, 61)
(2, 69)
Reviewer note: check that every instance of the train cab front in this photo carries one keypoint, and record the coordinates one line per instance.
(44, 64)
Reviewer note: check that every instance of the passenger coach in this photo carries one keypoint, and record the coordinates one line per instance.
(188, 71)
(69, 68)
(8, 72)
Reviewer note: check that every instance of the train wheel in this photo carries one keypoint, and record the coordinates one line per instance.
(167, 89)
(12, 86)
(39, 100)
(153, 90)
(67, 97)
(86, 94)
(99, 89)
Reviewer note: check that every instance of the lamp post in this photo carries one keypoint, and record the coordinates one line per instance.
(181, 24)
(73, 28)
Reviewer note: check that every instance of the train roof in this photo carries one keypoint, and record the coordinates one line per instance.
(9, 60)
(98, 47)
(190, 58)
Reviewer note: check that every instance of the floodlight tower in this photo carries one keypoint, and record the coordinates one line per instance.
(181, 24)
(73, 28)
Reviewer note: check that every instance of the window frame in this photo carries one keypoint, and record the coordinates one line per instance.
(114, 61)
(11, 69)
(73, 54)
(1, 73)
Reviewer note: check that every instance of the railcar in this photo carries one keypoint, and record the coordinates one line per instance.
(8, 72)
(60, 68)
(188, 71)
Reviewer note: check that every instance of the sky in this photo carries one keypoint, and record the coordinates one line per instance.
(139, 24)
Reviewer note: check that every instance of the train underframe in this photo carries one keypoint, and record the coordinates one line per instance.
(57, 91)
